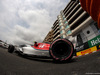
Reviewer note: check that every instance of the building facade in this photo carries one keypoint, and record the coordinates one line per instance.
(69, 22)
(76, 25)
(49, 37)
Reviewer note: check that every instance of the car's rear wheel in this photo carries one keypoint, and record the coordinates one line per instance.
(11, 49)
(61, 50)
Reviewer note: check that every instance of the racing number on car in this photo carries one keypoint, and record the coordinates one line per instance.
(41, 46)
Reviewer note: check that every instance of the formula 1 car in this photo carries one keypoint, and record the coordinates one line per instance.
(60, 49)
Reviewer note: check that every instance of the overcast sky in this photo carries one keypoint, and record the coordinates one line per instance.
(25, 21)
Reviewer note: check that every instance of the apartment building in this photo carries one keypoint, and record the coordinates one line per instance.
(73, 22)
(49, 37)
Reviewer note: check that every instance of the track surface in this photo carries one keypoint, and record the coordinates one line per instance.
(12, 64)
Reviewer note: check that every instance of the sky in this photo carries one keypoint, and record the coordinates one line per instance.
(26, 21)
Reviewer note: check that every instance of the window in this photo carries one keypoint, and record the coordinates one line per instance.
(67, 26)
(68, 32)
(66, 22)
(83, 36)
(61, 32)
(96, 25)
(95, 28)
(79, 40)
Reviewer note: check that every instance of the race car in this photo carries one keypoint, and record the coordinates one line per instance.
(60, 49)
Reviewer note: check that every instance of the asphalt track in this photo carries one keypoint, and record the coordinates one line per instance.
(12, 64)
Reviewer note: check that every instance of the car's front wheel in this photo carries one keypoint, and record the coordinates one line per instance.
(61, 50)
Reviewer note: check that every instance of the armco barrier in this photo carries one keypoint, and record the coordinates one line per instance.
(88, 47)
(88, 51)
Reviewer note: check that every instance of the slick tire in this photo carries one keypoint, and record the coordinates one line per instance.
(61, 50)
(11, 49)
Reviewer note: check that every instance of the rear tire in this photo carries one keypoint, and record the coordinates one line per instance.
(61, 50)
(11, 49)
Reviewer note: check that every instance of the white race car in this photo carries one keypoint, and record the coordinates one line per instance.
(60, 49)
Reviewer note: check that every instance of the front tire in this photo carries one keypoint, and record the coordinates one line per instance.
(61, 50)
(11, 49)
